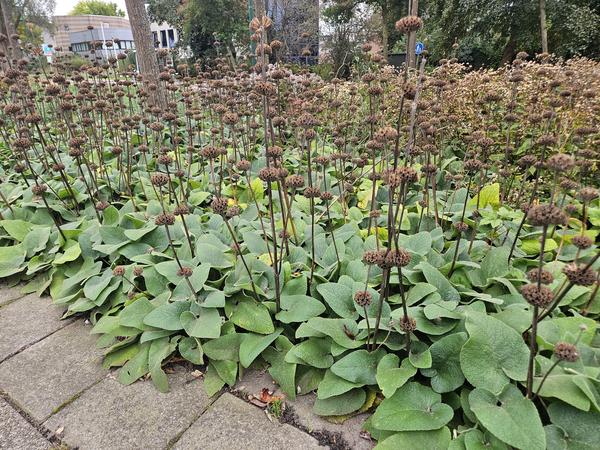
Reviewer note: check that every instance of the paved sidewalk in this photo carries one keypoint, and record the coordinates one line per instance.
(54, 394)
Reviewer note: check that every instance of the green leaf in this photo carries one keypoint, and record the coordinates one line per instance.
(17, 229)
(36, 240)
(167, 316)
(160, 349)
(332, 385)
(299, 308)
(571, 428)
(190, 349)
(338, 405)
(419, 355)
(313, 352)
(510, 417)
(283, 373)
(337, 330)
(339, 298)
(227, 370)
(225, 348)
(390, 377)
(445, 372)
(488, 195)
(213, 383)
(136, 367)
(133, 314)
(252, 316)
(360, 366)
(205, 323)
(11, 259)
(70, 254)
(213, 255)
(413, 407)
(412, 440)
(494, 354)
(95, 285)
(253, 345)
(441, 283)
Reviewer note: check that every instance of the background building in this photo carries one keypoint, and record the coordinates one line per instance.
(106, 35)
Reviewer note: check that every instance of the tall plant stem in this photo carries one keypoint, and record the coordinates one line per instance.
(532, 351)
(239, 252)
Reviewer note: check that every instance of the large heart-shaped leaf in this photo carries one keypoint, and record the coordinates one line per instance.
(413, 407)
(445, 372)
(359, 366)
(494, 353)
(510, 417)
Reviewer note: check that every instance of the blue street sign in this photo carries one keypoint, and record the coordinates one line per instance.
(419, 48)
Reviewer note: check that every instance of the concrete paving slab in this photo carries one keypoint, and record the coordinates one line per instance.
(46, 375)
(230, 424)
(18, 434)
(26, 321)
(8, 294)
(254, 381)
(112, 416)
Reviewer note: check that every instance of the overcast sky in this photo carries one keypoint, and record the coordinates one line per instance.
(64, 7)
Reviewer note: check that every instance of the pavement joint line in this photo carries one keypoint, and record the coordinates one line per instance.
(73, 398)
(10, 302)
(47, 434)
(176, 438)
(316, 434)
(31, 344)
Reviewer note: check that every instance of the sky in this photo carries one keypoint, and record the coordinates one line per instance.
(64, 7)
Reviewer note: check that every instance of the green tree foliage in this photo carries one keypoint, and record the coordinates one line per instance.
(204, 22)
(97, 8)
(491, 32)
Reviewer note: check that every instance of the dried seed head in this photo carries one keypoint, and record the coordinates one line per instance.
(407, 324)
(535, 296)
(566, 352)
(39, 189)
(372, 257)
(219, 205)
(159, 179)
(165, 219)
(461, 227)
(102, 205)
(546, 277)
(398, 258)
(409, 24)
(138, 270)
(268, 174)
(582, 242)
(119, 271)
(312, 192)
(587, 194)
(560, 162)
(185, 272)
(546, 214)
(363, 298)
(295, 181)
(578, 274)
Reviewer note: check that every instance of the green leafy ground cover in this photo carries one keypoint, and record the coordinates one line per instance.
(180, 236)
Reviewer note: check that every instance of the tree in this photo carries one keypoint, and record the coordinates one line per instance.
(17, 14)
(96, 8)
(491, 32)
(390, 11)
(144, 47)
(201, 23)
(543, 26)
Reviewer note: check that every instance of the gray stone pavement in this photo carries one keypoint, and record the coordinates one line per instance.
(54, 394)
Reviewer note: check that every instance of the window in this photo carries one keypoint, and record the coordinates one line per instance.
(171, 35)
(163, 38)
(155, 39)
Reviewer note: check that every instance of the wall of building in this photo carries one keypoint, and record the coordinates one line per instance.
(65, 25)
